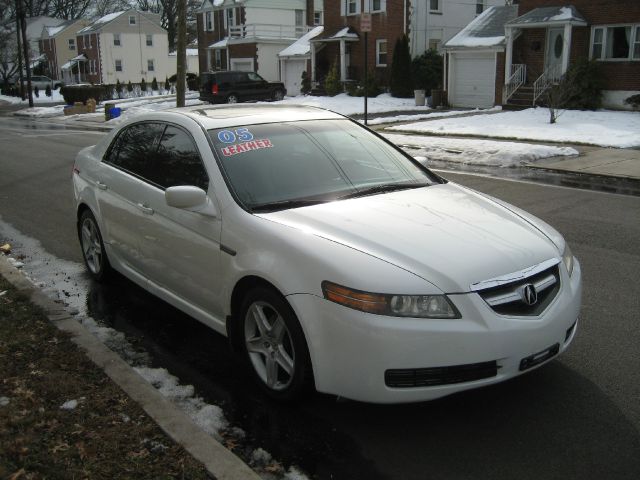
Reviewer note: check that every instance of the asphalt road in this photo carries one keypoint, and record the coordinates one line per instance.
(576, 418)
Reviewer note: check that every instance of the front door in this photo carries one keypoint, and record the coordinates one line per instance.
(555, 47)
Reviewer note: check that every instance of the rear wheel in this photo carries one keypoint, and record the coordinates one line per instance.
(232, 98)
(274, 345)
(93, 252)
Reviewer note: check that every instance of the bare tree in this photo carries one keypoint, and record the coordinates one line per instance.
(69, 9)
(8, 54)
(105, 7)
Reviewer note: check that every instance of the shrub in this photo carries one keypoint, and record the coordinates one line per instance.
(47, 91)
(118, 88)
(81, 93)
(633, 100)
(371, 88)
(401, 82)
(306, 83)
(36, 91)
(427, 71)
(143, 85)
(582, 86)
(167, 85)
(332, 83)
(154, 84)
(129, 87)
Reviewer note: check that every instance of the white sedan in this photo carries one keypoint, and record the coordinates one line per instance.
(329, 257)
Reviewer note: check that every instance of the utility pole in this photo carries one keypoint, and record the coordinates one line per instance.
(20, 13)
(19, 52)
(181, 52)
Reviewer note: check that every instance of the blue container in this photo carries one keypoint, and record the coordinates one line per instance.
(115, 112)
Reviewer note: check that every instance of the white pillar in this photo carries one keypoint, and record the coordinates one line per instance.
(566, 48)
(313, 63)
(508, 54)
(343, 61)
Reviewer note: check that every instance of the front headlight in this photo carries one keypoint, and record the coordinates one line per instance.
(418, 306)
(567, 258)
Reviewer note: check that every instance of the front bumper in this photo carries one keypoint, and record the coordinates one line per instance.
(351, 351)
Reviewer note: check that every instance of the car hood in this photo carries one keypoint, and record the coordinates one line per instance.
(447, 234)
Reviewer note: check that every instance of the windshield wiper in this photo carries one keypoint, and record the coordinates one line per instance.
(383, 188)
(283, 205)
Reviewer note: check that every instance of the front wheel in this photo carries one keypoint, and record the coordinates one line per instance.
(278, 95)
(93, 252)
(274, 345)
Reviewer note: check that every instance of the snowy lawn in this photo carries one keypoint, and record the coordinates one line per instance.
(477, 152)
(42, 98)
(602, 128)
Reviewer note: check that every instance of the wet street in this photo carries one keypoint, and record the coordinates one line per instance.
(577, 417)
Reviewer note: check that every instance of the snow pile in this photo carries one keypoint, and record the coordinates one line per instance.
(602, 128)
(302, 45)
(208, 417)
(477, 152)
(424, 116)
(69, 405)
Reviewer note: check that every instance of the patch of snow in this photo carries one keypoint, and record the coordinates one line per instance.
(294, 474)
(476, 41)
(302, 45)
(208, 417)
(15, 263)
(260, 456)
(344, 33)
(191, 52)
(347, 105)
(69, 405)
(425, 116)
(4, 401)
(52, 31)
(601, 128)
(565, 14)
(476, 152)
(55, 97)
(101, 20)
(469, 35)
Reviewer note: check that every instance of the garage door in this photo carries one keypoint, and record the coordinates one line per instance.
(473, 79)
(293, 75)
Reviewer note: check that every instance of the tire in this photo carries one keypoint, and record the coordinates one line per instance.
(278, 95)
(274, 345)
(232, 98)
(93, 252)
(56, 86)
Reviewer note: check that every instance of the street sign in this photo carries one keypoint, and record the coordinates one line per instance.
(365, 22)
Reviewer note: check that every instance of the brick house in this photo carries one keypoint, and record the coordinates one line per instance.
(249, 34)
(427, 23)
(545, 38)
(127, 46)
(58, 45)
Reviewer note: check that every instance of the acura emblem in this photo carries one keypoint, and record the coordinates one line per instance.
(529, 294)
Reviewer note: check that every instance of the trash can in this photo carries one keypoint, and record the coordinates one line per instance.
(115, 112)
(107, 110)
(419, 96)
(436, 98)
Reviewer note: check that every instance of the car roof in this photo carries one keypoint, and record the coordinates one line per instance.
(221, 116)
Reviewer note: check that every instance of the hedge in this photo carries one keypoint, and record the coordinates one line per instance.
(82, 93)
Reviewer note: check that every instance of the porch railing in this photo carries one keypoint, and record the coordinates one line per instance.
(263, 30)
(516, 80)
(551, 76)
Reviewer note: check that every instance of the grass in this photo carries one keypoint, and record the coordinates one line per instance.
(105, 436)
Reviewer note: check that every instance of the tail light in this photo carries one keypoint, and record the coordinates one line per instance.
(214, 88)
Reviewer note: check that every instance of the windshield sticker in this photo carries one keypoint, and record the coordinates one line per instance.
(231, 150)
(240, 134)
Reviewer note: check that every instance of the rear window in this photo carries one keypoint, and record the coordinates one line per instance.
(315, 160)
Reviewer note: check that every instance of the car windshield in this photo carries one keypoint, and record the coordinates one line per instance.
(286, 165)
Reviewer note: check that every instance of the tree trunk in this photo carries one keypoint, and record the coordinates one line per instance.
(25, 48)
(19, 47)
(181, 53)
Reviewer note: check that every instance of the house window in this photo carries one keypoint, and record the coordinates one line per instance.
(619, 42)
(132, 19)
(150, 66)
(72, 44)
(352, 7)
(377, 6)
(299, 22)
(434, 44)
(318, 18)
(87, 41)
(149, 40)
(118, 65)
(479, 6)
(208, 23)
(434, 6)
(381, 53)
(116, 39)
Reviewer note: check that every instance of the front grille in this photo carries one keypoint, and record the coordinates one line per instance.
(508, 299)
(430, 377)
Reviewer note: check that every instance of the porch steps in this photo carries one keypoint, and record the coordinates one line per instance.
(521, 99)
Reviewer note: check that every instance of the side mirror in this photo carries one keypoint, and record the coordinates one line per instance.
(193, 199)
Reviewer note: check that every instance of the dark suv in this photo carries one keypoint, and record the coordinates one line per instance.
(233, 87)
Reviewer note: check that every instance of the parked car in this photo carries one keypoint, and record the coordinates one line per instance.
(329, 256)
(41, 82)
(234, 87)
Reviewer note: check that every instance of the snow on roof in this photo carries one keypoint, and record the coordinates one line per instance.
(220, 44)
(486, 30)
(51, 31)
(547, 15)
(345, 33)
(301, 46)
(101, 21)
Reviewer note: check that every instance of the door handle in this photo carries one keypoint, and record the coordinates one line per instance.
(145, 209)
(101, 186)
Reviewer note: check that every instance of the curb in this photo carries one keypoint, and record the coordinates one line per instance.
(218, 461)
